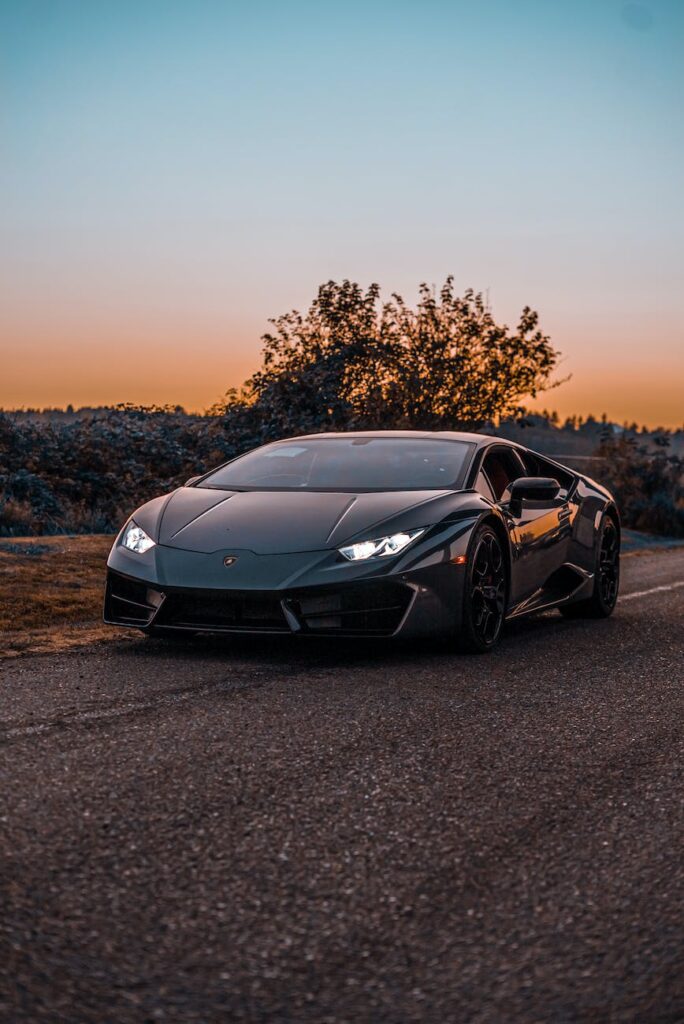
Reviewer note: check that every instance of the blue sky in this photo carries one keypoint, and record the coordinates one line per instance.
(173, 173)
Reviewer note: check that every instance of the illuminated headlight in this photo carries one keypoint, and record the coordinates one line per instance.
(135, 539)
(383, 546)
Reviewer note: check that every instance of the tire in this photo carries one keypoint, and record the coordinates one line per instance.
(484, 595)
(604, 597)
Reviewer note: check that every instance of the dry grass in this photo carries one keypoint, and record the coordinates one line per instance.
(47, 581)
(51, 591)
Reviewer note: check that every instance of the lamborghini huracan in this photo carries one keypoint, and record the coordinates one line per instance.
(379, 534)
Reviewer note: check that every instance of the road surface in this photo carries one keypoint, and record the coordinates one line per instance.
(289, 831)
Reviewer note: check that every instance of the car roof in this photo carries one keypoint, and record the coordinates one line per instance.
(481, 440)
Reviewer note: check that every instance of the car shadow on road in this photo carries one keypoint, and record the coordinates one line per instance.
(302, 653)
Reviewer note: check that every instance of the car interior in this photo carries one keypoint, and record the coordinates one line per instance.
(501, 467)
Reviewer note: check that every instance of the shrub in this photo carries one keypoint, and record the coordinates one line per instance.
(649, 486)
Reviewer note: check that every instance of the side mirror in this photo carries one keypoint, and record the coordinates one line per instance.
(533, 488)
(191, 481)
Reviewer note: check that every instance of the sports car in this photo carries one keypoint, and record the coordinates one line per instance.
(374, 534)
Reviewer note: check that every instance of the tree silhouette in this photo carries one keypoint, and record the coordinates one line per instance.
(352, 362)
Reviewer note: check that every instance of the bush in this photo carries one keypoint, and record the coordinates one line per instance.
(649, 486)
(86, 475)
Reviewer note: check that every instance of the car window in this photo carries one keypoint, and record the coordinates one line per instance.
(537, 465)
(352, 463)
(502, 468)
(483, 486)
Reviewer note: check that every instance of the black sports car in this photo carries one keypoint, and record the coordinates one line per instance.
(388, 533)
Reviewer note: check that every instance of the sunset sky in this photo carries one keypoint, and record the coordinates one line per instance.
(174, 172)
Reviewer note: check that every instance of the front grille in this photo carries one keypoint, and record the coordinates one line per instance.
(218, 610)
(373, 608)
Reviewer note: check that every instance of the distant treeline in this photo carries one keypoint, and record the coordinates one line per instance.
(85, 472)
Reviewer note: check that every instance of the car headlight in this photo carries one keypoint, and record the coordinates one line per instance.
(383, 546)
(135, 539)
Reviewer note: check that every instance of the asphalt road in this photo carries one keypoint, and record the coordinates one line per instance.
(283, 831)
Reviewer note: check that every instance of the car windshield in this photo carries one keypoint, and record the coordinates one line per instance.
(348, 464)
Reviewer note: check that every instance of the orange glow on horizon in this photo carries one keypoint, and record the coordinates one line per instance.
(176, 371)
(62, 355)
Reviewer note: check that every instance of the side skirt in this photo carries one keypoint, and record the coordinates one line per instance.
(569, 583)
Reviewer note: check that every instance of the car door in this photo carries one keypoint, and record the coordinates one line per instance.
(538, 530)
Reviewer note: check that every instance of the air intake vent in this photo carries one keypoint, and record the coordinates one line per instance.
(245, 611)
(130, 602)
(368, 608)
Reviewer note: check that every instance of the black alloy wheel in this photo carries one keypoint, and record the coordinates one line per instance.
(609, 565)
(484, 599)
(607, 577)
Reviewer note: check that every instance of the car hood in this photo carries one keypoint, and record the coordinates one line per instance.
(279, 522)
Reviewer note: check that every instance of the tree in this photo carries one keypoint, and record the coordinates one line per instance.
(351, 362)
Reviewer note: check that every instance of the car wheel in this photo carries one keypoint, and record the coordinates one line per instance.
(606, 580)
(484, 597)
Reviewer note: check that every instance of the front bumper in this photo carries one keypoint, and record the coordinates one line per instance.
(369, 608)
(308, 593)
